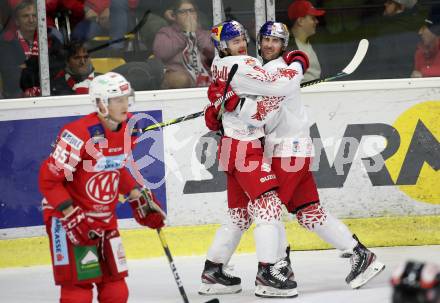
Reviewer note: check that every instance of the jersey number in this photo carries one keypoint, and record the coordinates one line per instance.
(60, 154)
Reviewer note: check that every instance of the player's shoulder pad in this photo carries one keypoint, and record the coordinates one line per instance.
(72, 136)
(96, 132)
(75, 134)
(273, 65)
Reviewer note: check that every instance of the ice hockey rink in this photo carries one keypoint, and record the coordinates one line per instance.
(320, 276)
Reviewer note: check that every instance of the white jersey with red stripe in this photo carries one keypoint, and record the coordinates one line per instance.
(252, 80)
(286, 127)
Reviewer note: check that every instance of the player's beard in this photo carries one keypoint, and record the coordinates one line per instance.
(272, 55)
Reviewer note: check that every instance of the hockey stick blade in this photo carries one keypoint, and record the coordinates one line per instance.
(358, 57)
(213, 301)
(228, 81)
(350, 68)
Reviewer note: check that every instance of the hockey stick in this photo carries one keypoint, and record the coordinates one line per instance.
(173, 121)
(350, 68)
(228, 81)
(198, 114)
(126, 36)
(172, 266)
(174, 270)
(153, 207)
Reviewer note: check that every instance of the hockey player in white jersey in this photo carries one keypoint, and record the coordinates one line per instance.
(251, 184)
(289, 146)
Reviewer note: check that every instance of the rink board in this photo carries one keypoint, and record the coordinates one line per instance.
(353, 121)
(195, 240)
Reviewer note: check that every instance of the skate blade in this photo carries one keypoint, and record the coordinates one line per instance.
(373, 270)
(218, 289)
(271, 292)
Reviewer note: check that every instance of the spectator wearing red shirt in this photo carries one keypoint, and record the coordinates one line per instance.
(19, 52)
(427, 56)
(74, 7)
(96, 20)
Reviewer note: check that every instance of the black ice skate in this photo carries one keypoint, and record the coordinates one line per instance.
(364, 266)
(287, 270)
(272, 283)
(216, 281)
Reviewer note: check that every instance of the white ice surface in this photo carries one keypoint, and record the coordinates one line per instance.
(320, 276)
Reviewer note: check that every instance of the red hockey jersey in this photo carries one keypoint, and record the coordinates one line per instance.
(87, 165)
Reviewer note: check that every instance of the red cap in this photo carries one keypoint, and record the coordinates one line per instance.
(302, 8)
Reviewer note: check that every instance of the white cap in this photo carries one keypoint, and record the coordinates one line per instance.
(407, 3)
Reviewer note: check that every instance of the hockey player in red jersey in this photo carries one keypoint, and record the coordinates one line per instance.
(81, 181)
(289, 146)
(241, 157)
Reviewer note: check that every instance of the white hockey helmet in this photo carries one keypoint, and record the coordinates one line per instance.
(107, 86)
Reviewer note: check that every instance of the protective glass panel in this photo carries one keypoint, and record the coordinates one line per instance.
(19, 70)
(243, 12)
(154, 44)
(402, 43)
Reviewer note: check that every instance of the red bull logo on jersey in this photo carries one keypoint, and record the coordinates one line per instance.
(222, 74)
(265, 106)
(250, 61)
(287, 73)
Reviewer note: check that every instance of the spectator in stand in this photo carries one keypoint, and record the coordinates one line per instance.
(96, 22)
(397, 40)
(75, 7)
(75, 78)
(17, 46)
(161, 15)
(119, 20)
(395, 7)
(427, 57)
(184, 48)
(19, 53)
(125, 11)
(304, 15)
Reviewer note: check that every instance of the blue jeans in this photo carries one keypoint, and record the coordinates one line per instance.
(86, 30)
(118, 21)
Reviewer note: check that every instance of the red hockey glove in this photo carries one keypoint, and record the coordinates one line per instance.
(211, 121)
(215, 96)
(80, 228)
(299, 56)
(147, 211)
